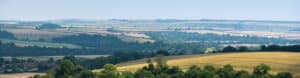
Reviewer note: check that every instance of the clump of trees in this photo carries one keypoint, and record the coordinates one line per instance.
(67, 69)
(6, 35)
(15, 65)
(235, 49)
(48, 26)
(293, 48)
(111, 43)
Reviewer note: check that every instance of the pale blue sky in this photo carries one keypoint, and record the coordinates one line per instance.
(150, 9)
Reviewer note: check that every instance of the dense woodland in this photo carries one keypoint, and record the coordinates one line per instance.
(68, 69)
(110, 43)
(184, 37)
(33, 65)
(10, 49)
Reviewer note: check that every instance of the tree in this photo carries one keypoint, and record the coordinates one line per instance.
(193, 72)
(161, 61)
(209, 71)
(144, 74)
(229, 49)
(67, 69)
(261, 69)
(109, 71)
(86, 74)
(128, 74)
(242, 74)
(209, 68)
(163, 75)
(151, 67)
(51, 60)
(226, 72)
(176, 72)
(274, 47)
(2, 62)
(243, 48)
(48, 26)
(263, 47)
(163, 52)
(284, 75)
(70, 57)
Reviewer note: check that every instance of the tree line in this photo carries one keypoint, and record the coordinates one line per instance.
(15, 65)
(68, 69)
(291, 48)
(10, 49)
(185, 37)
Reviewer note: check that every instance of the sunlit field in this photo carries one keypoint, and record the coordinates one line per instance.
(279, 61)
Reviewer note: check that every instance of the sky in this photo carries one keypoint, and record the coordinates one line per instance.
(150, 9)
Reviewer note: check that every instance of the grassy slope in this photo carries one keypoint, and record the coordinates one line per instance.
(40, 44)
(279, 61)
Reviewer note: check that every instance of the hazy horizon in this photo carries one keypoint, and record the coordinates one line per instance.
(280, 10)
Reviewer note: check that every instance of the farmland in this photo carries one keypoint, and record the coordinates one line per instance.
(134, 30)
(45, 58)
(279, 61)
(19, 75)
(32, 34)
(39, 44)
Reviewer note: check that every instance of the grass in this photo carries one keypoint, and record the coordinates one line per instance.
(40, 44)
(279, 61)
(20, 75)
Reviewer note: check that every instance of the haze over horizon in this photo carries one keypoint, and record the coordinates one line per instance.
(286, 10)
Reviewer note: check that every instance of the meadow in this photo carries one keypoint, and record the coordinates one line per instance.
(279, 61)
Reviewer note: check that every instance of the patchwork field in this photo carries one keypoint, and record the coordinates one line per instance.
(33, 34)
(19, 75)
(279, 61)
(45, 58)
(40, 44)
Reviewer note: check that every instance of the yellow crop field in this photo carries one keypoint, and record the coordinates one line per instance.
(279, 61)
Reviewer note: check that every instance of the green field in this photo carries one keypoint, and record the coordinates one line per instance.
(40, 44)
(279, 61)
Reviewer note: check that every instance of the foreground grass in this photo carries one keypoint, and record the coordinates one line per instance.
(279, 61)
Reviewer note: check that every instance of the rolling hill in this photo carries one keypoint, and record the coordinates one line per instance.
(279, 61)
